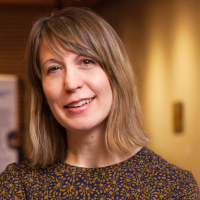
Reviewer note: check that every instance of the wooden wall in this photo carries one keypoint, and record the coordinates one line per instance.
(15, 24)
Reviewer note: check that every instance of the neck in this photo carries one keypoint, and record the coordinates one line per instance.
(89, 150)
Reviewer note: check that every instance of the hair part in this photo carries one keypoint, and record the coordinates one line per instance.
(84, 32)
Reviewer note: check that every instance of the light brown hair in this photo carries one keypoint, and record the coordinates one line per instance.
(84, 32)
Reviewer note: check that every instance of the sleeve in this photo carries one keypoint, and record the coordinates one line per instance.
(189, 189)
(10, 184)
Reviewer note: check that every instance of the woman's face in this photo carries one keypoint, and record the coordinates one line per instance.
(76, 88)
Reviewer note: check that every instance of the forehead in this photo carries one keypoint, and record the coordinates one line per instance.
(51, 42)
(46, 52)
(53, 47)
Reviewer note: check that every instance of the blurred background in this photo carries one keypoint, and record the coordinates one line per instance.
(162, 39)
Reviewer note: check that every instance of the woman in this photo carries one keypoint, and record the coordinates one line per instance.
(85, 136)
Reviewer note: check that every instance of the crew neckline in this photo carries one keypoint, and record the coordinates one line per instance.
(109, 166)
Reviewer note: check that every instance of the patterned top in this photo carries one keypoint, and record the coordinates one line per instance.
(143, 176)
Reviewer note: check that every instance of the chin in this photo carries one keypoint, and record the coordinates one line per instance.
(85, 128)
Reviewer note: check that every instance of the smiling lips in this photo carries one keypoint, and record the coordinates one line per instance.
(79, 107)
(80, 103)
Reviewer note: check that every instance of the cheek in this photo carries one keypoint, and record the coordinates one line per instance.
(105, 90)
(109, 94)
(106, 85)
(53, 96)
(51, 91)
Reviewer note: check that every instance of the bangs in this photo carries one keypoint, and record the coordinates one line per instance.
(72, 36)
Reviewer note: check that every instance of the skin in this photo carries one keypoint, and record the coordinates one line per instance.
(67, 81)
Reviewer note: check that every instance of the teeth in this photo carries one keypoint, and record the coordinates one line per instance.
(74, 105)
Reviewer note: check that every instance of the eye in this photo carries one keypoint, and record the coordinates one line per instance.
(87, 61)
(53, 69)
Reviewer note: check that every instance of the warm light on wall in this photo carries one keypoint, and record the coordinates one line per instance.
(173, 75)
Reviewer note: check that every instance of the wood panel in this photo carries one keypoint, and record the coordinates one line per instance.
(15, 24)
(60, 3)
(27, 2)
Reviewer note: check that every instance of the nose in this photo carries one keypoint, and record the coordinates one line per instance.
(73, 81)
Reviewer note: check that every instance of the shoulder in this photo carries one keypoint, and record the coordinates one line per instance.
(9, 182)
(164, 175)
(13, 178)
(22, 171)
(16, 170)
(160, 166)
(21, 180)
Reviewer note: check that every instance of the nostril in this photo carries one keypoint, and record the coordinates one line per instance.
(73, 85)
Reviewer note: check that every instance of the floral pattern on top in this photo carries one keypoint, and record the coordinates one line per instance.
(143, 176)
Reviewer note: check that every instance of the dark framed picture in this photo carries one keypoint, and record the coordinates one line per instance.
(178, 117)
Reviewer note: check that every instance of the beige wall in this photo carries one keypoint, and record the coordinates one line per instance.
(163, 42)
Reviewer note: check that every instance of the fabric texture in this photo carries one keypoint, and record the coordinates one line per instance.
(143, 176)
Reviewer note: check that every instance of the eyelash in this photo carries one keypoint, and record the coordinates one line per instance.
(87, 60)
(84, 62)
(52, 69)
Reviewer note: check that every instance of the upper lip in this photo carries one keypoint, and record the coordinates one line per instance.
(77, 101)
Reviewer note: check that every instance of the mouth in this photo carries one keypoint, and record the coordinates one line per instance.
(80, 103)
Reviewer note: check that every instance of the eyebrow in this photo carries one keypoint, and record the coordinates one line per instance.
(57, 61)
(51, 60)
(80, 55)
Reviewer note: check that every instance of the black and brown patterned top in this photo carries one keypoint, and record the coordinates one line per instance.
(143, 176)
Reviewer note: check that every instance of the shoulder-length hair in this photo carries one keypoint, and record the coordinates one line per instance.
(83, 32)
